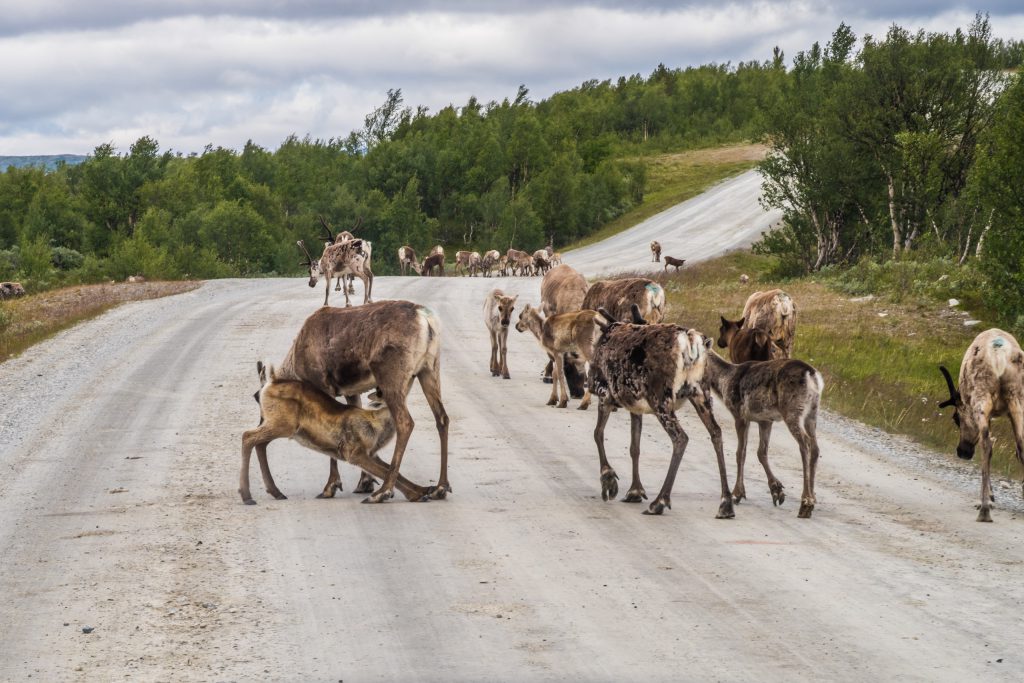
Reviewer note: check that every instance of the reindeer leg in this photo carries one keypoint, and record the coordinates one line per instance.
(985, 509)
(702, 404)
(585, 401)
(366, 483)
(670, 423)
(563, 386)
(553, 399)
(503, 350)
(609, 484)
(1017, 420)
(327, 291)
(430, 383)
(764, 430)
(495, 369)
(268, 479)
(352, 284)
(806, 503)
(636, 491)
(546, 375)
(248, 442)
(333, 481)
(811, 430)
(368, 288)
(739, 491)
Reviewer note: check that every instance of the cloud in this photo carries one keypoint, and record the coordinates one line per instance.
(191, 73)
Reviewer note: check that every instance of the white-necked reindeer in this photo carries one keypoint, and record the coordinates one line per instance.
(991, 385)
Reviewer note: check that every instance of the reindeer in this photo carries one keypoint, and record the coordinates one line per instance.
(773, 312)
(677, 263)
(407, 260)
(497, 316)
(652, 369)
(747, 344)
(345, 236)
(541, 261)
(296, 410)
(655, 251)
(433, 264)
(517, 260)
(565, 333)
(991, 385)
(503, 265)
(387, 345)
(490, 260)
(462, 262)
(11, 290)
(783, 390)
(475, 263)
(616, 296)
(340, 258)
(562, 291)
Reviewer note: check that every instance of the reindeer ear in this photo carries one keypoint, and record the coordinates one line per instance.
(708, 341)
(724, 321)
(515, 298)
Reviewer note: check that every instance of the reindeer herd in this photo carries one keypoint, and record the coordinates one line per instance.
(606, 339)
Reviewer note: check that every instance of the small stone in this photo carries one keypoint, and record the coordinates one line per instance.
(87, 629)
(954, 302)
(971, 323)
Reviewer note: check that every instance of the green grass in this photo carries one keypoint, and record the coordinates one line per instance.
(674, 178)
(879, 358)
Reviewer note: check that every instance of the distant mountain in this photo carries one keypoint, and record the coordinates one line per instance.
(50, 161)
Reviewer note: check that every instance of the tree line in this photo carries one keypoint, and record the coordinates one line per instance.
(909, 147)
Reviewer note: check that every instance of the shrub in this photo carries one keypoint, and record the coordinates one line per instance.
(66, 259)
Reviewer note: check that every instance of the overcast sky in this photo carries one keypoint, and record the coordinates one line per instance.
(78, 73)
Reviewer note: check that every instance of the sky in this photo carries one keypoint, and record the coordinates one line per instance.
(80, 73)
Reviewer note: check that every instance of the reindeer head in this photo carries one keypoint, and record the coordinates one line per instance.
(728, 330)
(963, 417)
(505, 306)
(528, 317)
(313, 265)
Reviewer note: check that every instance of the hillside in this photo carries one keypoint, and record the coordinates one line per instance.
(50, 161)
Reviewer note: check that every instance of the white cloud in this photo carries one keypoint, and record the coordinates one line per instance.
(194, 73)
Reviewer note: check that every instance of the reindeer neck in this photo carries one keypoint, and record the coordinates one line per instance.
(719, 373)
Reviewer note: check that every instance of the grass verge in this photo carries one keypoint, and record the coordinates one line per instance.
(674, 178)
(27, 321)
(879, 357)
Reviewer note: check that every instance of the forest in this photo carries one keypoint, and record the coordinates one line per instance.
(882, 149)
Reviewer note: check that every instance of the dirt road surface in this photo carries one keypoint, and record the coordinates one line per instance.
(119, 456)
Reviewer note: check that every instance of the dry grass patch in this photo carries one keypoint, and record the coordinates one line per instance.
(880, 359)
(29, 320)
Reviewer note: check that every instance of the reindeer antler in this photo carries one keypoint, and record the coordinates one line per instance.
(954, 395)
(309, 257)
(330, 235)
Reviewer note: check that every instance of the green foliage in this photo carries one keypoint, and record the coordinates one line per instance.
(66, 259)
(35, 259)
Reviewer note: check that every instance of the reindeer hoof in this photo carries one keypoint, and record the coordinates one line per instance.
(506, 376)
(738, 495)
(984, 515)
(248, 501)
(278, 495)
(634, 496)
(778, 495)
(609, 485)
(658, 506)
(725, 510)
(366, 484)
(439, 492)
(546, 380)
(806, 509)
(583, 406)
(379, 497)
(551, 402)
(563, 404)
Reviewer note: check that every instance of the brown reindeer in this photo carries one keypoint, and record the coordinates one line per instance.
(462, 259)
(676, 263)
(773, 312)
(475, 263)
(746, 344)
(11, 290)
(490, 261)
(655, 251)
(387, 345)
(520, 262)
(339, 259)
(297, 410)
(652, 369)
(991, 385)
(497, 316)
(562, 291)
(407, 260)
(565, 333)
(541, 261)
(784, 390)
(503, 266)
(616, 296)
(344, 236)
(433, 265)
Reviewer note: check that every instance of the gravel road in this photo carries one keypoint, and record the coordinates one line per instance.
(119, 453)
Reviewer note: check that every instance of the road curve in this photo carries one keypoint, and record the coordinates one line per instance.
(725, 217)
(119, 451)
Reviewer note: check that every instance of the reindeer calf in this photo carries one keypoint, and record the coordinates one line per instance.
(655, 251)
(497, 316)
(565, 333)
(746, 344)
(786, 391)
(677, 263)
(296, 410)
(991, 385)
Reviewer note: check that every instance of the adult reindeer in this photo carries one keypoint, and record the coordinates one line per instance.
(616, 296)
(407, 260)
(562, 291)
(340, 258)
(652, 369)
(991, 385)
(387, 345)
(773, 312)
